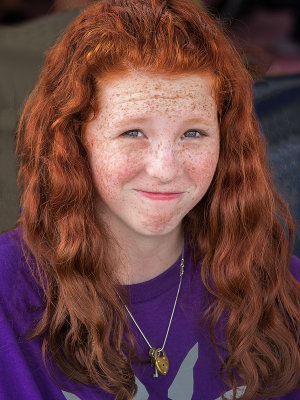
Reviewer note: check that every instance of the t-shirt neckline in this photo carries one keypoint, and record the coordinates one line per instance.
(140, 292)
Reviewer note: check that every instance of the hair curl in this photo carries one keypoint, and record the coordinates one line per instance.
(242, 228)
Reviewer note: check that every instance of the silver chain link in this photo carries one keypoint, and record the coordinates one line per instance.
(178, 290)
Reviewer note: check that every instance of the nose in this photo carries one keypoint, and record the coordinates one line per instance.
(163, 162)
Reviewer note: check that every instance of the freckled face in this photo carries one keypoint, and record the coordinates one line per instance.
(154, 133)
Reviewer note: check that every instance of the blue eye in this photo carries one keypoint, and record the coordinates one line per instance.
(129, 133)
(193, 133)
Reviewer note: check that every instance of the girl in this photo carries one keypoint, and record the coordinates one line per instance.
(152, 258)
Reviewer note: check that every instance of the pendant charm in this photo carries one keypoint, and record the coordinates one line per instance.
(161, 361)
(151, 354)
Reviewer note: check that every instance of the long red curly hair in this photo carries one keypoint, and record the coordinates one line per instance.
(241, 230)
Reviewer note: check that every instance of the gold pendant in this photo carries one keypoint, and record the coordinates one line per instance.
(161, 361)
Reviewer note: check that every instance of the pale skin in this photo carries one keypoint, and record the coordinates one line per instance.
(174, 149)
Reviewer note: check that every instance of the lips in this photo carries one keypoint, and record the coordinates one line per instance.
(160, 195)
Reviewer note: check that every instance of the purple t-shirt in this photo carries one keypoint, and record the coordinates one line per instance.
(194, 365)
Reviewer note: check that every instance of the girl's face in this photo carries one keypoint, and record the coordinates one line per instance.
(154, 133)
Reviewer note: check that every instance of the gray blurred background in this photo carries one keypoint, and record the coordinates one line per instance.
(267, 33)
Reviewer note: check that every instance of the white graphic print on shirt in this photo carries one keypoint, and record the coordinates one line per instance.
(182, 386)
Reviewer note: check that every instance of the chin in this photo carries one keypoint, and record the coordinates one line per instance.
(158, 229)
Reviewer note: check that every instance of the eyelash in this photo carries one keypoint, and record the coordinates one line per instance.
(191, 130)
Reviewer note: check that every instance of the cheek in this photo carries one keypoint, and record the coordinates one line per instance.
(113, 167)
(202, 164)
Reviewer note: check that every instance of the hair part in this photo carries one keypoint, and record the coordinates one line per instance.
(238, 227)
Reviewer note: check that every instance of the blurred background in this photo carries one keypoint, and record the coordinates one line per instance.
(266, 33)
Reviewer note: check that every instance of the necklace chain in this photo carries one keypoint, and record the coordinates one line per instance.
(177, 294)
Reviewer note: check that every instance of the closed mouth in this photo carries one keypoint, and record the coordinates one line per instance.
(164, 193)
(160, 195)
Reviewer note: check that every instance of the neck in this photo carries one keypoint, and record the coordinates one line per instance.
(146, 257)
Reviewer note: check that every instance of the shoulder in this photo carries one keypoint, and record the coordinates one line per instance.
(9, 241)
(295, 267)
(10, 256)
(18, 287)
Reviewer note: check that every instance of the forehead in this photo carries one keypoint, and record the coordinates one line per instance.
(139, 91)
